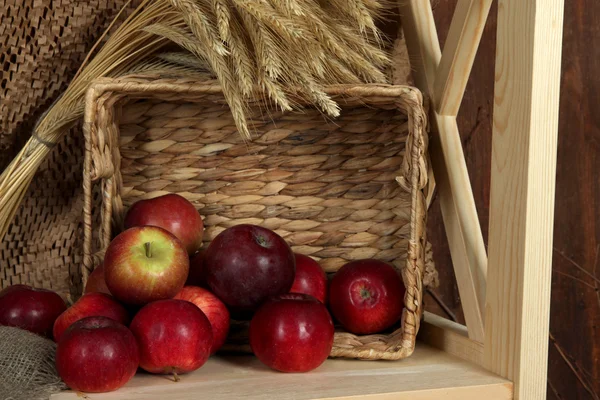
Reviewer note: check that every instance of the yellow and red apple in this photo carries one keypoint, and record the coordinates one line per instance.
(144, 264)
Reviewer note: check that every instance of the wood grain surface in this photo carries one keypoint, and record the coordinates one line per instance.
(574, 352)
(427, 374)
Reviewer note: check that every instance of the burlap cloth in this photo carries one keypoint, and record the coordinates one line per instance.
(42, 44)
(27, 370)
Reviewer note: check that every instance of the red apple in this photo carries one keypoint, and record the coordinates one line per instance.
(13, 288)
(246, 264)
(310, 278)
(174, 337)
(96, 281)
(292, 333)
(97, 354)
(144, 264)
(31, 309)
(173, 213)
(366, 296)
(197, 274)
(90, 305)
(213, 308)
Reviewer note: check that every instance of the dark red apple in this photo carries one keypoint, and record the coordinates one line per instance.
(144, 264)
(32, 309)
(97, 354)
(213, 308)
(197, 274)
(13, 288)
(310, 278)
(174, 337)
(247, 264)
(292, 333)
(90, 305)
(173, 213)
(96, 281)
(366, 296)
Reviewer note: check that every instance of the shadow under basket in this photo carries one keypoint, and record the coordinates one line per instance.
(336, 190)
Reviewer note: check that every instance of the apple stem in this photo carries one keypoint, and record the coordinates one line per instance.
(175, 376)
(148, 250)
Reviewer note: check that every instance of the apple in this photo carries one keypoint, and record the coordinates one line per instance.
(310, 278)
(197, 274)
(213, 308)
(292, 333)
(96, 281)
(13, 288)
(174, 337)
(144, 264)
(173, 213)
(31, 309)
(90, 305)
(246, 264)
(366, 296)
(97, 354)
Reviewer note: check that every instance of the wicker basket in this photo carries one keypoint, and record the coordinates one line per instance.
(336, 190)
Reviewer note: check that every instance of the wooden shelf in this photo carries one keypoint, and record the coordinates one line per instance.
(428, 374)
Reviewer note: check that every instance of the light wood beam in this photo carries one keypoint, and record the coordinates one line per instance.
(528, 60)
(450, 337)
(459, 53)
(456, 196)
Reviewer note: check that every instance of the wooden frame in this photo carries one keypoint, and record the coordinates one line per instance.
(511, 338)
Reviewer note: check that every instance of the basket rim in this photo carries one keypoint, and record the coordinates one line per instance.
(155, 83)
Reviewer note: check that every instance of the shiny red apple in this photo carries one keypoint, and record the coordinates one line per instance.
(173, 213)
(174, 337)
(97, 354)
(96, 281)
(310, 278)
(292, 333)
(197, 274)
(32, 309)
(246, 264)
(213, 308)
(90, 305)
(144, 264)
(366, 296)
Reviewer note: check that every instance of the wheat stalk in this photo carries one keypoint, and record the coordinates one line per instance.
(287, 7)
(266, 14)
(184, 59)
(200, 23)
(223, 16)
(357, 10)
(243, 61)
(173, 65)
(269, 66)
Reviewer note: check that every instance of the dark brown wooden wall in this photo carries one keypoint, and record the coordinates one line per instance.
(574, 365)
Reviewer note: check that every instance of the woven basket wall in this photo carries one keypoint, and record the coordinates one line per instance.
(338, 190)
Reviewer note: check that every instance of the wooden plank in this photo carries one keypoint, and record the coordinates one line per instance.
(428, 374)
(450, 337)
(459, 53)
(524, 143)
(456, 197)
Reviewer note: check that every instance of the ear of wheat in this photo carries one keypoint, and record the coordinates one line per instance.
(245, 44)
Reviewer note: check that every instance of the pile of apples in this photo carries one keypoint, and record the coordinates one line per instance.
(181, 299)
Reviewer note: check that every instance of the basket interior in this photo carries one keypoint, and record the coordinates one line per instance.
(327, 187)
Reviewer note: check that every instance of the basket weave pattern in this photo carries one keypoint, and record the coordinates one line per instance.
(338, 190)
